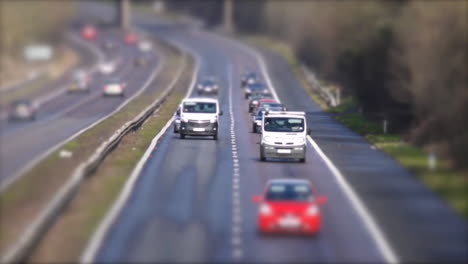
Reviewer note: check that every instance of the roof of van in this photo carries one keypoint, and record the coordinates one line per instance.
(200, 99)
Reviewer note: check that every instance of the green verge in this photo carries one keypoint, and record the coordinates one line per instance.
(68, 238)
(448, 182)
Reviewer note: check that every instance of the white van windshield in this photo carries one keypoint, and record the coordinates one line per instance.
(284, 124)
(199, 107)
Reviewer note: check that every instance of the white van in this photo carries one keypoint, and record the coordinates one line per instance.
(198, 117)
(284, 135)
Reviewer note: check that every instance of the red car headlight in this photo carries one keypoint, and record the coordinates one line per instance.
(312, 210)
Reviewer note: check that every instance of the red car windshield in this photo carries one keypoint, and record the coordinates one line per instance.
(289, 192)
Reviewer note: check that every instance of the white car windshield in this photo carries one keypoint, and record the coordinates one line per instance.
(199, 107)
(284, 124)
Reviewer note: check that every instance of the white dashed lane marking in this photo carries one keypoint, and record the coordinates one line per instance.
(236, 229)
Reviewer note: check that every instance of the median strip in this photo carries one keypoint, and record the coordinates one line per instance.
(28, 197)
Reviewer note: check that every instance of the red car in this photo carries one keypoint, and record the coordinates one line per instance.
(130, 38)
(289, 206)
(88, 32)
(265, 103)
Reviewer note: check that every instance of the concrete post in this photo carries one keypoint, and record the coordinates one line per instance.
(124, 13)
(228, 16)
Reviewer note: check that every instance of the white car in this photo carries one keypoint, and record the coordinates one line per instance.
(114, 88)
(22, 109)
(284, 135)
(107, 67)
(199, 117)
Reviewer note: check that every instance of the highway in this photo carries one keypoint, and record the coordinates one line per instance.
(62, 116)
(192, 200)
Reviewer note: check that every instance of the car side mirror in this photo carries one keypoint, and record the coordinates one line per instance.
(221, 112)
(321, 200)
(257, 199)
(309, 131)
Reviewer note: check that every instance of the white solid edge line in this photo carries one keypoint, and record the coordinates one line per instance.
(7, 182)
(89, 254)
(382, 243)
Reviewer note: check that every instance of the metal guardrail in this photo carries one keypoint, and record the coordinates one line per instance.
(36, 231)
(326, 94)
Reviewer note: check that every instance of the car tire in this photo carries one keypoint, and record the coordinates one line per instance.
(175, 130)
(182, 136)
(246, 96)
(262, 156)
(254, 128)
(303, 160)
(215, 136)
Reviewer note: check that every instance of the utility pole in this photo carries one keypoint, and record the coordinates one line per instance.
(228, 16)
(124, 13)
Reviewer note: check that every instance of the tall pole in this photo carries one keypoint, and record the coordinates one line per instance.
(124, 13)
(228, 16)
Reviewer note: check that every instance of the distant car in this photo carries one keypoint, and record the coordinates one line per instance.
(130, 38)
(258, 116)
(254, 97)
(255, 88)
(22, 109)
(89, 32)
(106, 68)
(207, 87)
(262, 100)
(80, 82)
(114, 88)
(249, 78)
(289, 206)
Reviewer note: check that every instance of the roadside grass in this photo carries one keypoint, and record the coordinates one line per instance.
(26, 197)
(451, 184)
(69, 236)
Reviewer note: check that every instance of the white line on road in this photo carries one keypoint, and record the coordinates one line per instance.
(371, 225)
(97, 239)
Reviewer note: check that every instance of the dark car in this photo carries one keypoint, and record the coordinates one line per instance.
(22, 109)
(208, 87)
(249, 78)
(258, 88)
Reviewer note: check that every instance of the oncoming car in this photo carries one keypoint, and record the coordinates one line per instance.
(258, 88)
(114, 87)
(208, 87)
(255, 97)
(199, 117)
(80, 82)
(249, 78)
(22, 109)
(289, 206)
(284, 135)
(258, 116)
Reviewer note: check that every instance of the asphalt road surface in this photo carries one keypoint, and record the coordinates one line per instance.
(64, 114)
(192, 200)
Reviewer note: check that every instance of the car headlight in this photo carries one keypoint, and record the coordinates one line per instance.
(213, 120)
(312, 210)
(184, 119)
(215, 87)
(265, 209)
(299, 141)
(268, 139)
(248, 90)
(255, 102)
